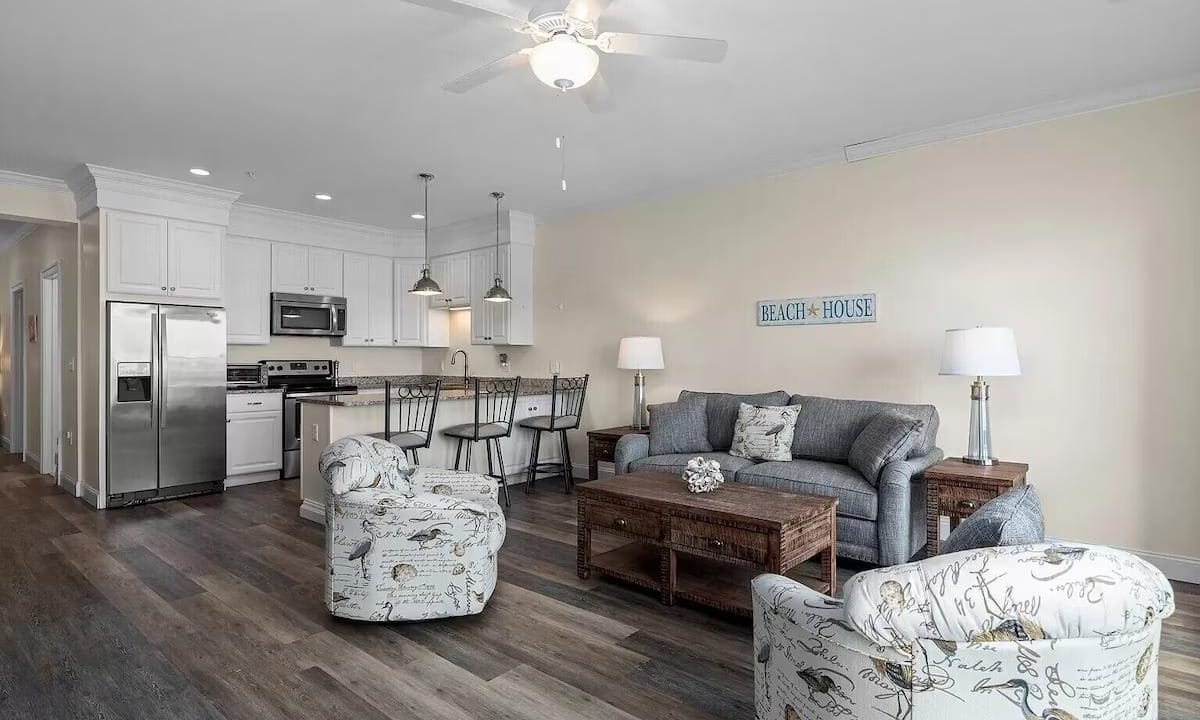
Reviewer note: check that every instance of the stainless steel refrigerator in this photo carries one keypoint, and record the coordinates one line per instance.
(166, 401)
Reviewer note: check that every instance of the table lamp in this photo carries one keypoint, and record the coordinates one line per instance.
(980, 352)
(640, 353)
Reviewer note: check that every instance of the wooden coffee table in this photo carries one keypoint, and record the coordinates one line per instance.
(706, 547)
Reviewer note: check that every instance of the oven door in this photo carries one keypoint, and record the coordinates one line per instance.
(307, 315)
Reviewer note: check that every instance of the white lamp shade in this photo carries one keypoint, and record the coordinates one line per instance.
(640, 353)
(980, 351)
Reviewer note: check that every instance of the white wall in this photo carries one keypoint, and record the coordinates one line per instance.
(1080, 233)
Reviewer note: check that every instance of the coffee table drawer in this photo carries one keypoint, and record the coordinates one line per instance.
(722, 540)
(622, 519)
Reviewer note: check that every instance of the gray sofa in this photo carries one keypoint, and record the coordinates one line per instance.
(880, 520)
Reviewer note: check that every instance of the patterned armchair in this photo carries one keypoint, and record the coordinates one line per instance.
(405, 542)
(1026, 632)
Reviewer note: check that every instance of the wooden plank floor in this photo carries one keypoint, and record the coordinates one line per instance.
(211, 608)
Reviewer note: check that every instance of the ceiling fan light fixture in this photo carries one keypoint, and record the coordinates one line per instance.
(563, 62)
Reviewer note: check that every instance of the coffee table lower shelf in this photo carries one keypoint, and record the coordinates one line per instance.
(699, 580)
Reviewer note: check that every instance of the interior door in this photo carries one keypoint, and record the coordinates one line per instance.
(191, 427)
(132, 432)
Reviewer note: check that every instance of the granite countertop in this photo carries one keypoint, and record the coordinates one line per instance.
(371, 389)
(248, 390)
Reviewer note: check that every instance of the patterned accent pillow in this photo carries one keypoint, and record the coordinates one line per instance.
(679, 427)
(889, 436)
(1014, 518)
(764, 432)
(360, 461)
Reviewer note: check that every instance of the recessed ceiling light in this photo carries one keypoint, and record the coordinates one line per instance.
(417, 216)
(323, 196)
(200, 171)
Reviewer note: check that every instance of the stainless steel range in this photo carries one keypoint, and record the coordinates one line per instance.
(300, 379)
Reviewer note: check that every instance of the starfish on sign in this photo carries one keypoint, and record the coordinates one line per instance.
(813, 310)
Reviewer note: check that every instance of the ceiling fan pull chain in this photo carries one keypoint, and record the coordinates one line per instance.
(560, 142)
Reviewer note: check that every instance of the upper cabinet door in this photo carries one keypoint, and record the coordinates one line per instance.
(289, 269)
(325, 272)
(137, 254)
(357, 271)
(408, 309)
(498, 312)
(194, 259)
(379, 306)
(247, 291)
(482, 269)
(460, 280)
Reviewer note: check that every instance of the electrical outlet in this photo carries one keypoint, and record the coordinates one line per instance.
(70, 438)
(71, 365)
(316, 433)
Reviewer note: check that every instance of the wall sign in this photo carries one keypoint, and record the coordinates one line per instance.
(826, 310)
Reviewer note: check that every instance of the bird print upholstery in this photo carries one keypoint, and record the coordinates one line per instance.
(1033, 632)
(406, 543)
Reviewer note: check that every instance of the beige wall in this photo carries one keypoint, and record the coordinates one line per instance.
(24, 264)
(1080, 233)
(353, 360)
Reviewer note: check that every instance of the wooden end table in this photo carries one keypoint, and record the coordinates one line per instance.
(602, 446)
(957, 489)
(704, 547)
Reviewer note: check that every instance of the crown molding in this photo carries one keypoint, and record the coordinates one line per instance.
(1016, 118)
(264, 223)
(8, 177)
(96, 186)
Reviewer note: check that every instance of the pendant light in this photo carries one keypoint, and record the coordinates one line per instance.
(426, 285)
(497, 293)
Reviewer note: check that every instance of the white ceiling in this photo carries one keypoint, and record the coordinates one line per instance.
(343, 97)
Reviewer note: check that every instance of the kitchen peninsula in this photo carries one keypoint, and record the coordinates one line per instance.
(329, 417)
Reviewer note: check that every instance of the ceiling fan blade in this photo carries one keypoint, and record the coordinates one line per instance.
(502, 13)
(597, 96)
(589, 10)
(479, 76)
(668, 46)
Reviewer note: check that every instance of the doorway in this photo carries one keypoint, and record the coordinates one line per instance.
(17, 375)
(51, 356)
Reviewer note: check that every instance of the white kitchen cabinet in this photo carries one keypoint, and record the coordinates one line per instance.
(247, 291)
(415, 323)
(368, 293)
(483, 269)
(194, 259)
(149, 255)
(509, 323)
(137, 254)
(453, 274)
(253, 434)
(306, 270)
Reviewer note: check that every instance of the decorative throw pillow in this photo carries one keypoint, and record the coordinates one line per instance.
(1014, 518)
(679, 427)
(764, 432)
(888, 436)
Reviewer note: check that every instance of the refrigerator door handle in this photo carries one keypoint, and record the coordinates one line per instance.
(162, 370)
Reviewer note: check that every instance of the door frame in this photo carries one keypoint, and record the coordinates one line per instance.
(50, 341)
(16, 441)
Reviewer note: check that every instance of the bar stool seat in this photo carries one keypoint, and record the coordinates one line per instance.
(549, 422)
(406, 440)
(467, 431)
(416, 410)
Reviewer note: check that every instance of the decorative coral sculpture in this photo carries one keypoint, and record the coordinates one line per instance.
(703, 475)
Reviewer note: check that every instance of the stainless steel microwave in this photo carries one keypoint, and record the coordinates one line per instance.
(293, 314)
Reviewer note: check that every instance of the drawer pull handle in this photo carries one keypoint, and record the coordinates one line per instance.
(254, 403)
(621, 523)
(715, 544)
(968, 504)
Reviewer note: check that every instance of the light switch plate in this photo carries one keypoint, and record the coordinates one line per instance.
(316, 433)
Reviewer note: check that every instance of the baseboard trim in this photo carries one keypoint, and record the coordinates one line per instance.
(581, 471)
(90, 495)
(1176, 567)
(252, 478)
(33, 460)
(5, 443)
(67, 483)
(313, 511)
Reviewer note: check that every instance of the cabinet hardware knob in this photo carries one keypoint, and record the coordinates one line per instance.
(621, 522)
(968, 504)
(164, 287)
(716, 544)
(172, 288)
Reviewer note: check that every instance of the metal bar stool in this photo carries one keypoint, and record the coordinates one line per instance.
(495, 408)
(566, 408)
(418, 409)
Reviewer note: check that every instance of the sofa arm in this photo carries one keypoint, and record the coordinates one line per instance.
(896, 504)
(630, 448)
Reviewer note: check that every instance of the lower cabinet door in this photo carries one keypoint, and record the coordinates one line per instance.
(253, 442)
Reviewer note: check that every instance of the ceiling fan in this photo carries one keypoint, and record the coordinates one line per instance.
(564, 56)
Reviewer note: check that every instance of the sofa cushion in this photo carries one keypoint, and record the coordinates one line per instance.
(679, 427)
(888, 436)
(764, 432)
(856, 497)
(677, 462)
(722, 411)
(1014, 518)
(828, 426)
